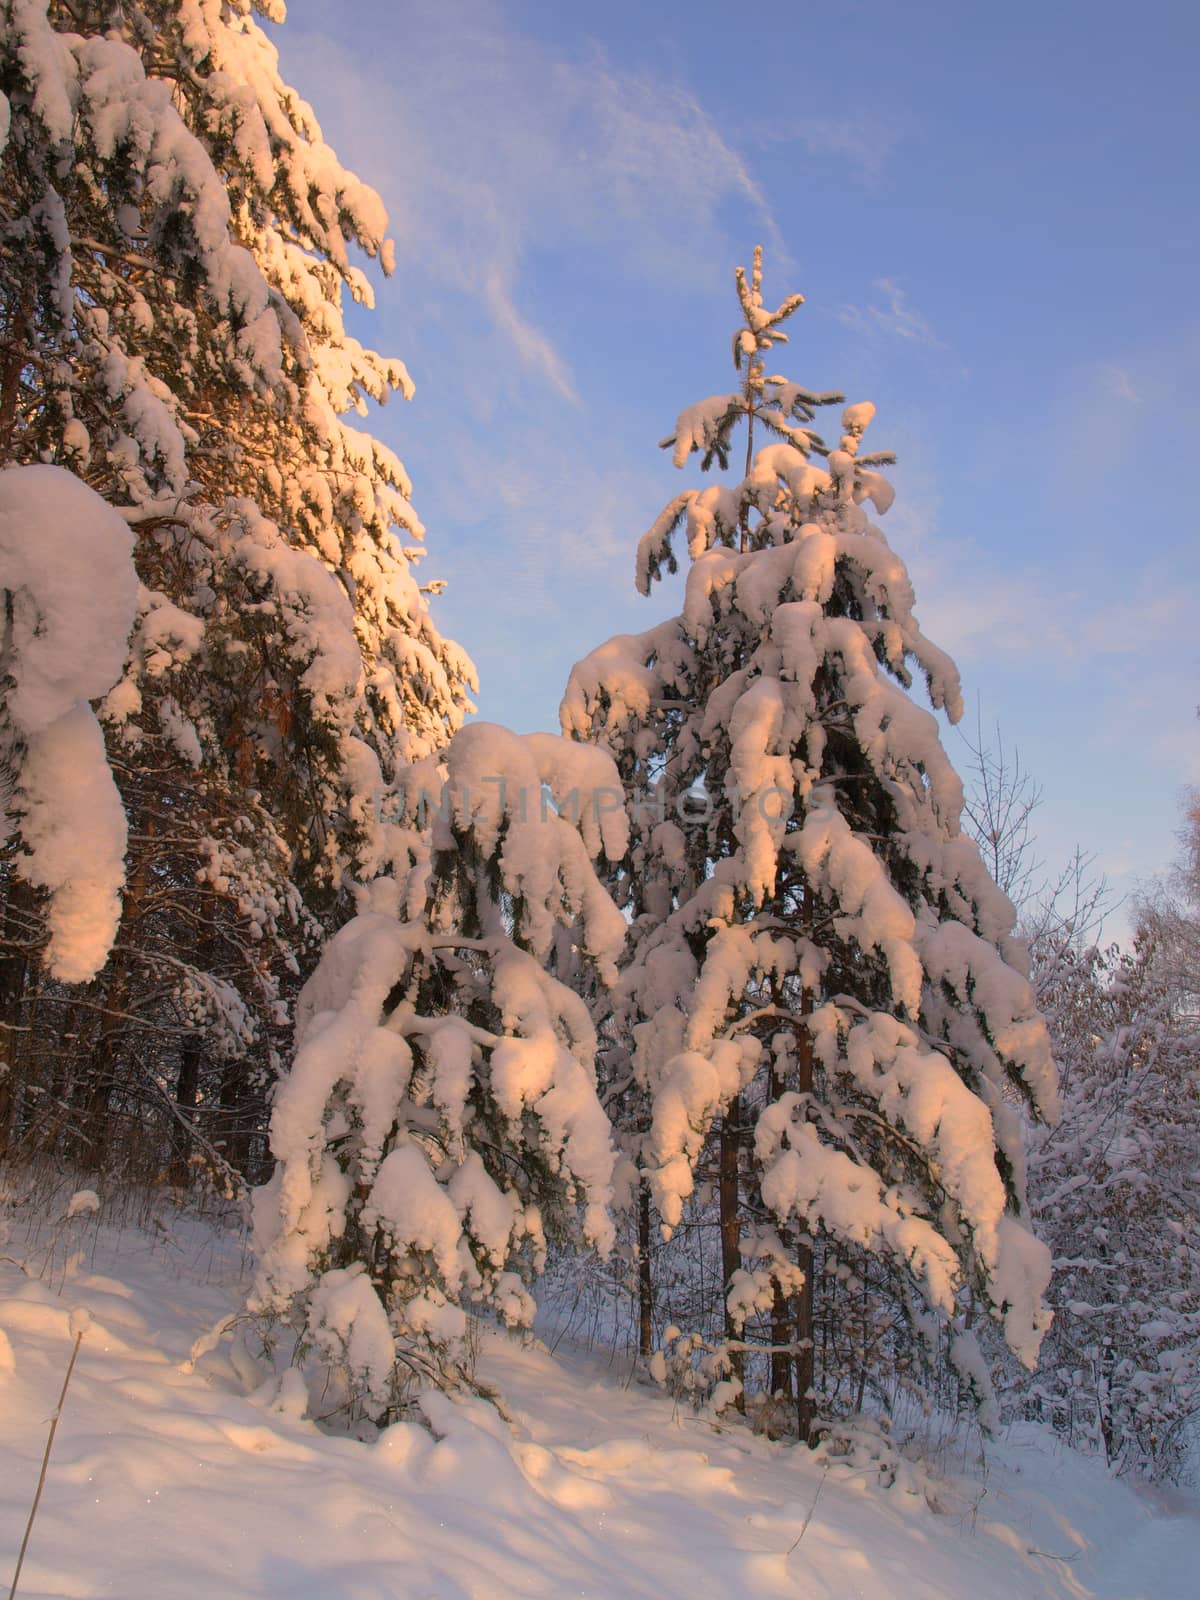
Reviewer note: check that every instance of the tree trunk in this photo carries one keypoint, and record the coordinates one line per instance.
(731, 1228)
(20, 911)
(234, 1138)
(782, 1333)
(783, 1328)
(645, 1277)
(806, 1405)
(19, 342)
(94, 1093)
(187, 1090)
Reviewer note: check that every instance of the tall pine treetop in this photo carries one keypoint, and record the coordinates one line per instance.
(814, 939)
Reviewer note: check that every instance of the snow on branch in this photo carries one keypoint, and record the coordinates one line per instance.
(71, 596)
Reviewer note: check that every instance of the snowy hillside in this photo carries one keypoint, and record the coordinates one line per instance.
(174, 1484)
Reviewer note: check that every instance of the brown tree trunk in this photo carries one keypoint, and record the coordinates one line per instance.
(806, 1405)
(234, 1140)
(20, 912)
(187, 1092)
(645, 1277)
(731, 1227)
(14, 357)
(782, 1311)
(100, 1074)
(782, 1333)
(64, 1071)
(93, 1097)
(805, 1363)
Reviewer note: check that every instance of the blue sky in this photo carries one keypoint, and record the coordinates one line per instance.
(991, 212)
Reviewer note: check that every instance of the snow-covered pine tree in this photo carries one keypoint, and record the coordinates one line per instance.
(175, 244)
(440, 1117)
(822, 970)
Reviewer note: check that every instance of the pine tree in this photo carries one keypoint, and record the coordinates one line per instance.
(176, 241)
(440, 1117)
(822, 977)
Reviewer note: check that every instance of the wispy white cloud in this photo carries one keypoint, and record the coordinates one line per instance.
(1027, 618)
(530, 344)
(1117, 382)
(895, 316)
(866, 143)
(1055, 613)
(1115, 415)
(862, 140)
(493, 149)
(551, 538)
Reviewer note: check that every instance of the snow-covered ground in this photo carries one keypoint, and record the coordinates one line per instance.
(168, 1483)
